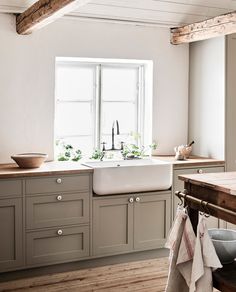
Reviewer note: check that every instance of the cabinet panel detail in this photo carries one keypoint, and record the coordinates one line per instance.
(59, 244)
(112, 225)
(57, 184)
(151, 221)
(11, 243)
(56, 210)
(10, 188)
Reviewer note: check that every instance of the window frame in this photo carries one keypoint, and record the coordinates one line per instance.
(97, 94)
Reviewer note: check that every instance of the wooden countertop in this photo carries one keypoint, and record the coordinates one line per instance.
(65, 167)
(221, 181)
(194, 161)
(48, 168)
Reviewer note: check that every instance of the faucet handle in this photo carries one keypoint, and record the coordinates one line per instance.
(122, 145)
(103, 146)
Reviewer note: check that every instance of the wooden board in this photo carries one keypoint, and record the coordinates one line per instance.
(44, 12)
(212, 27)
(222, 181)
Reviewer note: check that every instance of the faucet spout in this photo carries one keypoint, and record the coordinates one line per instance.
(115, 123)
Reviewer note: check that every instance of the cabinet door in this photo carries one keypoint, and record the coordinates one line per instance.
(11, 246)
(112, 225)
(152, 214)
(178, 185)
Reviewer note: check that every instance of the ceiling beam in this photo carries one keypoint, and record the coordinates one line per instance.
(44, 12)
(213, 27)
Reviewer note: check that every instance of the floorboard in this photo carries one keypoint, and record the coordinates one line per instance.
(141, 276)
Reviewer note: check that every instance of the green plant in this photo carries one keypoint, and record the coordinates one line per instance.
(134, 151)
(97, 154)
(67, 152)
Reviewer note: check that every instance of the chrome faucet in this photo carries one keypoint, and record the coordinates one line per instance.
(113, 134)
(115, 123)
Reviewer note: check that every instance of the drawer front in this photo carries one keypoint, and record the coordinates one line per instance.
(57, 184)
(57, 210)
(57, 245)
(10, 188)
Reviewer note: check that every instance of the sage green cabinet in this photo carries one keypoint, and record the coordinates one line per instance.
(130, 222)
(152, 215)
(56, 210)
(178, 185)
(57, 245)
(112, 225)
(11, 230)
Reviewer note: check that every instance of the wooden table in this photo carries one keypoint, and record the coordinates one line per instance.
(214, 193)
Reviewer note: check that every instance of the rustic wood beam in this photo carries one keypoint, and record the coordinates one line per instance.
(44, 12)
(213, 27)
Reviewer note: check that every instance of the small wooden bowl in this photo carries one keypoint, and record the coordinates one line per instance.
(29, 160)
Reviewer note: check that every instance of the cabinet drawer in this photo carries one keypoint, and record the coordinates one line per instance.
(57, 209)
(57, 245)
(10, 188)
(57, 184)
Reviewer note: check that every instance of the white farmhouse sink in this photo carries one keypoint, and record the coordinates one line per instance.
(123, 176)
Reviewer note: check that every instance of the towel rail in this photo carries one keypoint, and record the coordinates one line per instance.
(208, 208)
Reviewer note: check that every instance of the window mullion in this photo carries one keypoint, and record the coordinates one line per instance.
(97, 125)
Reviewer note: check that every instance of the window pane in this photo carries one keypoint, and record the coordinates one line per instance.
(124, 112)
(119, 83)
(85, 144)
(74, 118)
(75, 82)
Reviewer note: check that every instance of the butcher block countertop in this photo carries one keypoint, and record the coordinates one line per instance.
(222, 181)
(193, 161)
(48, 168)
(65, 167)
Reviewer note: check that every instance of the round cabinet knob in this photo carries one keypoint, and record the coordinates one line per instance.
(59, 232)
(137, 199)
(59, 198)
(59, 180)
(131, 200)
(199, 171)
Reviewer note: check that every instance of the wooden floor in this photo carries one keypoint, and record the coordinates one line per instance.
(144, 276)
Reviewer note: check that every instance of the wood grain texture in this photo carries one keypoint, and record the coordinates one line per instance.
(224, 182)
(48, 168)
(60, 167)
(150, 275)
(143, 276)
(216, 26)
(44, 12)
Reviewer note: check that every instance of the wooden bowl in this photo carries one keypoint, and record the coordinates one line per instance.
(29, 160)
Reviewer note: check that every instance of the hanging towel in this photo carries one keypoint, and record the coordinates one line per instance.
(205, 260)
(186, 251)
(181, 243)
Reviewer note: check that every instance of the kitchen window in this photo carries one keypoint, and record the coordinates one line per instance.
(91, 94)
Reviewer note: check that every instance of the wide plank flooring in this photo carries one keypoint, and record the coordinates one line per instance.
(145, 276)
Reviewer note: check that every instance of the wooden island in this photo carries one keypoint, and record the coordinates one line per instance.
(215, 194)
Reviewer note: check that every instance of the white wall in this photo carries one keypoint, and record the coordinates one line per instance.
(207, 97)
(27, 78)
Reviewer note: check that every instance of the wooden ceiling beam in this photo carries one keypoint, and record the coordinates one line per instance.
(44, 12)
(217, 26)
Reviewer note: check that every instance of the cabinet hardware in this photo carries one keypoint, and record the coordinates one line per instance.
(137, 199)
(59, 198)
(199, 171)
(59, 232)
(59, 180)
(131, 200)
